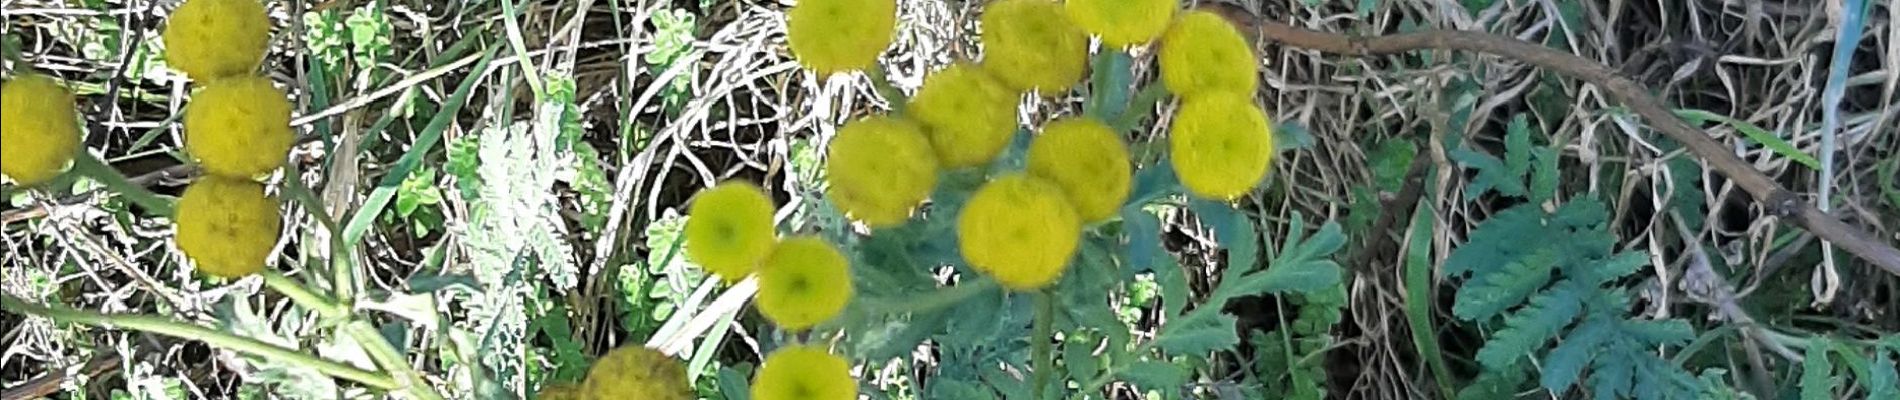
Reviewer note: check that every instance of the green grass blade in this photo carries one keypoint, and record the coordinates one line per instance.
(386, 190)
(1754, 133)
(1419, 300)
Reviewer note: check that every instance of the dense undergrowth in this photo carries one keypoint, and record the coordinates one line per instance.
(486, 198)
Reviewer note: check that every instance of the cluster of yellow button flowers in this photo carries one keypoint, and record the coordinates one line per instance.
(237, 126)
(1021, 228)
(803, 280)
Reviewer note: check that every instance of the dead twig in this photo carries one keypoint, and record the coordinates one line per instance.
(1777, 200)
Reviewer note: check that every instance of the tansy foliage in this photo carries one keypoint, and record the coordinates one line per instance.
(968, 114)
(1122, 23)
(830, 36)
(804, 282)
(239, 127)
(729, 229)
(1563, 285)
(1221, 145)
(1031, 45)
(227, 227)
(879, 168)
(213, 39)
(1019, 229)
(1088, 160)
(1202, 52)
(635, 372)
(39, 132)
(804, 372)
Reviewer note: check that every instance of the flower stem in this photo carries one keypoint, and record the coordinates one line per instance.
(88, 165)
(302, 295)
(390, 360)
(215, 338)
(1043, 355)
(882, 83)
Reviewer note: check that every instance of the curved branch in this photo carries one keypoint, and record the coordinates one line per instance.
(1777, 200)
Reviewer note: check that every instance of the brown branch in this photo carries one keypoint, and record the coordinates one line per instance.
(48, 384)
(1777, 200)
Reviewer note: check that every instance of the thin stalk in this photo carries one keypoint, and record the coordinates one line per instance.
(882, 83)
(88, 165)
(302, 295)
(386, 357)
(1039, 343)
(215, 338)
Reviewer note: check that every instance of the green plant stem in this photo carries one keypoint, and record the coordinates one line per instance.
(88, 165)
(390, 360)
(882, 83)
(215, 338)
(1039, 343)
(302, 295)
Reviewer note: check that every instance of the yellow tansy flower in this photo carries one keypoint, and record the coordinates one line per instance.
(830, 36)
(1203, 52)
(211, 39)
(968, 115)
(1088, 160)
(1221, 145)
(729, 229)
(39, 132)
(1031, 45)
(239, 127)
(227, 226)
(880, 168)
(804, 372)
(1122, 23)
(803, 283)
(1020, 230)
(635, 372)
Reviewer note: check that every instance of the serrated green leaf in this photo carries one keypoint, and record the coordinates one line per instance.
(1754, 133)
(1517, 146)
(1174, 287)
(1529, 328)
(1493, 174)
(1143, 231)
(1565, 364)
(1289, 136)
(734, 384)
(1497, 241)
(1156, 375)
(1492, 385)
(952, 389)
(1200, 332)
(1078, 359)
(1881, 382)
(1817, 372)
(1487, 295)
(1544, 176)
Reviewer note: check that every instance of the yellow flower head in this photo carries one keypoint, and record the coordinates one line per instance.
(1020, 230)
(1221, 144)
(1088, 160)
(1203, 52)
(38, 129)
(831, 36)
(968, 115)
(227, 226)
(211, 39)
(1122, 23)
(635, 372)
(804, 372)
(239, 127)
(803, 283)
(1031, 45)
(880, 168)
(729, 229)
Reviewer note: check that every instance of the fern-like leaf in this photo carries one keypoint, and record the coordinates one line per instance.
(1565, 364)
(1490, 294)
(1529, 328)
